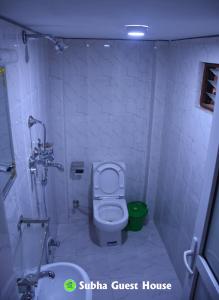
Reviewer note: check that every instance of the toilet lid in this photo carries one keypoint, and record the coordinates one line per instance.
(109, 180)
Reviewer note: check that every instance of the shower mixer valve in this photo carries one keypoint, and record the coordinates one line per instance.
(42, 154)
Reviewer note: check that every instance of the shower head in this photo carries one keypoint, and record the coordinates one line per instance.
(32, 121)
(59, 45)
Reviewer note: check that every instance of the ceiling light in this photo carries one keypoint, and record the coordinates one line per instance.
(106, 45)
(136, 31)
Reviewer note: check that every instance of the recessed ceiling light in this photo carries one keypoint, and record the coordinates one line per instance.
(106, 45)
(136, 33)
(136, 30)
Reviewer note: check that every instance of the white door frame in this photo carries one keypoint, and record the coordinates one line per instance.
(196, 263)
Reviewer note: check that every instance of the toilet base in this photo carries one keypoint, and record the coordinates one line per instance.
(109, 239)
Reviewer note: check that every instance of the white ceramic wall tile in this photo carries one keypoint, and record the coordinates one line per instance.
(100, 100)
(180, 152)
(7, 278)
(27, 94)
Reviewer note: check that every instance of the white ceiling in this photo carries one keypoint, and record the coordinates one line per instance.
(168, 19)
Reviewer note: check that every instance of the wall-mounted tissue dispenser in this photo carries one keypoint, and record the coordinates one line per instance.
(76, 170)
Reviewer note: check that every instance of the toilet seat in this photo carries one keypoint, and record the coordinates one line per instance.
(108, 180)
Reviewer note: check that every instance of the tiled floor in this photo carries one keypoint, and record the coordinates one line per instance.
(142, 257)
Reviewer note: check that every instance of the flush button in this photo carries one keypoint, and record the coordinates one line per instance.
(76, 170)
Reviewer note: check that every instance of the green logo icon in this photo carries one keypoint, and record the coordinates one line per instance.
(70, 285)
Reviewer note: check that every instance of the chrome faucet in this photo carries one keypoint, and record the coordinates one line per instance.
(49, 274)
(44, 157)
(42, 154)
(26, 285)
(55, 165)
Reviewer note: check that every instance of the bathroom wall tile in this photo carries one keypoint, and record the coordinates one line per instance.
(7, 278)
(100, 99)
(27, 94)
(183, 145)
(155, 148)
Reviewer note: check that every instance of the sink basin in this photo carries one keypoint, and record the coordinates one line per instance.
(53, 289)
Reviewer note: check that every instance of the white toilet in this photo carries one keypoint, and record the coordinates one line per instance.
(110, 211)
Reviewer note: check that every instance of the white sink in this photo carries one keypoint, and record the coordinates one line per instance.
(53, 289)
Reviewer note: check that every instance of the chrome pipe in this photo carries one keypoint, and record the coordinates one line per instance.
(29, 221)
(43, 249)
(32, 121)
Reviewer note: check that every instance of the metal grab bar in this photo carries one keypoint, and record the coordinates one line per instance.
(44, 223)
(29, 221)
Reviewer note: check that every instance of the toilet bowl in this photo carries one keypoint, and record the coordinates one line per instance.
(110, 216)
(110, 213)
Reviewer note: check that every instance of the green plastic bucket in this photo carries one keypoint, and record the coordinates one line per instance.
(137, 213)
